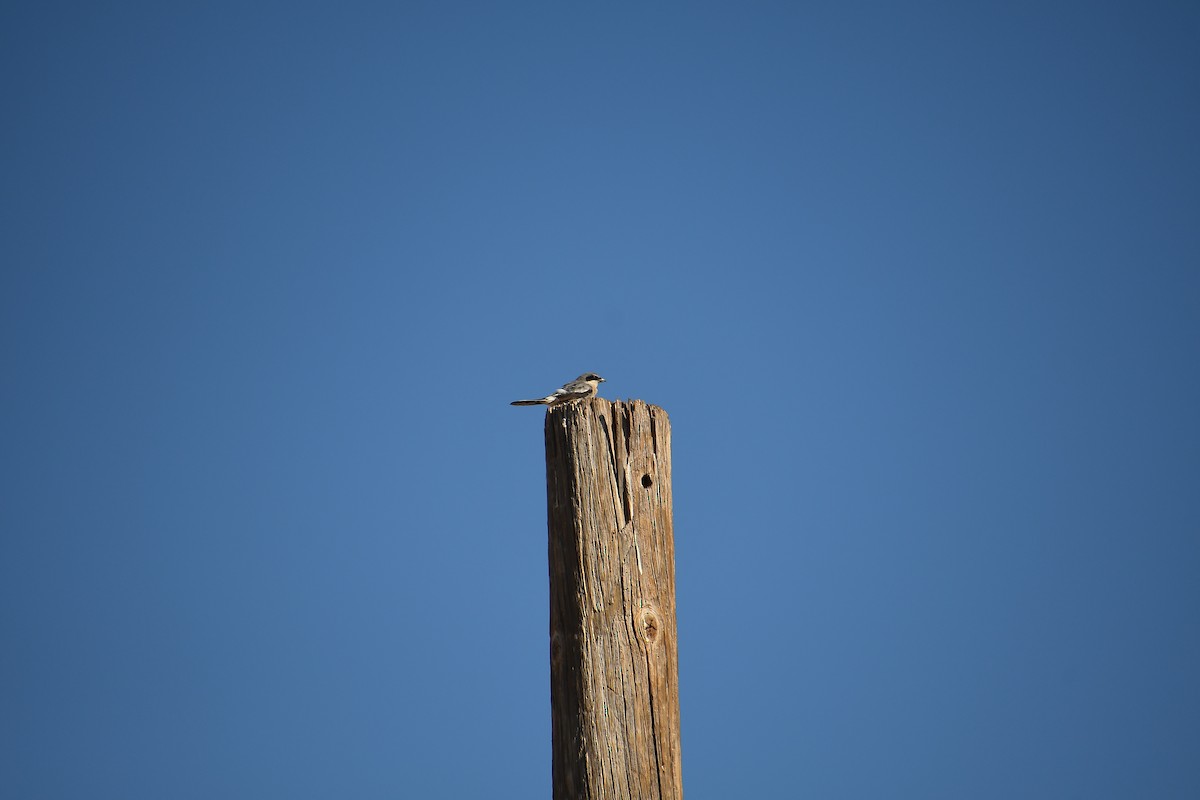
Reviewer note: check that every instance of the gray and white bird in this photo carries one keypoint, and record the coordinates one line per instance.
(583, 386)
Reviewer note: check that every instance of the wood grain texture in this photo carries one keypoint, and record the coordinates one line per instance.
(614, 688)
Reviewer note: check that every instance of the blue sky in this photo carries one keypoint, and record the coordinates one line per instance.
(917, 283)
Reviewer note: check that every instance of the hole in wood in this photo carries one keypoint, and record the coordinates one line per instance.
(647, 481)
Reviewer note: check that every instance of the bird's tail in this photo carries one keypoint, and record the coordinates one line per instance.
(540, 402)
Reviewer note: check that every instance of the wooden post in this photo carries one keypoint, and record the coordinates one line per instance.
(614, 665)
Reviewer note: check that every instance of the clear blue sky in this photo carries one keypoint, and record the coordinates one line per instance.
(918, 283)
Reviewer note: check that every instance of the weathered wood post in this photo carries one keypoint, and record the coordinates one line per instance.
(614, 666)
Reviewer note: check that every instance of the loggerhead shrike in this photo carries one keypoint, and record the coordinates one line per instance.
(583, 386)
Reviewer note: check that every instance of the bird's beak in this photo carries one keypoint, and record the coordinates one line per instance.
(601, 380)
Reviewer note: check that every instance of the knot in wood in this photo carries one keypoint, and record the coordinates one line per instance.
(649, 625)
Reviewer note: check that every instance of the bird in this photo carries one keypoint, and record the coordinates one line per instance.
(583, 386)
